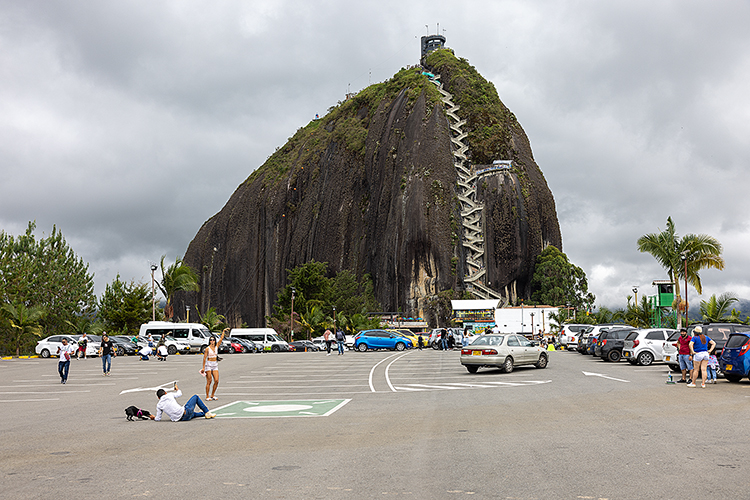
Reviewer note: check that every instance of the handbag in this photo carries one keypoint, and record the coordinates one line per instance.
(218, 358)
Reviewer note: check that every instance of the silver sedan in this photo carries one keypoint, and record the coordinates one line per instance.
(503, 351)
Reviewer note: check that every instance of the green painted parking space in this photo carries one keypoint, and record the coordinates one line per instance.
(279, 409)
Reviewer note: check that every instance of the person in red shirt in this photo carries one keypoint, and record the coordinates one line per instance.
(684, 356)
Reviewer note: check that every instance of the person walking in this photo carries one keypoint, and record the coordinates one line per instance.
(211, 364)
(684, 356)
(420, 340)
(107, 351)
(327, 337)
(340, 339)
(82, 343)
(701, 347)
(444, 339)
(65, 352)
(168, 404)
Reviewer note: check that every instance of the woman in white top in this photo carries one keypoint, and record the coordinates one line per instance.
(211, 364)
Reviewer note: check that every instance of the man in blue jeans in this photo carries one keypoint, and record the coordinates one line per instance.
(176, 413)
(340, 339)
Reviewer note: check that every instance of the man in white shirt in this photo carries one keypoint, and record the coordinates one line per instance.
(168, 404)
(65, 352)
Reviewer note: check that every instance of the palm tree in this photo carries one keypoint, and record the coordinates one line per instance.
(84, 324)
(178, 277)
(214, 321)
(715, 309)
(699, 250)
(23, 322)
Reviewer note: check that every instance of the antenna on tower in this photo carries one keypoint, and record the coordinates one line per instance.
(438, 29)
(428, 29)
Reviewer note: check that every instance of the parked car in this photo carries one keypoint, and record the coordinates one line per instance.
(593, 335)
(266, 337)
(92, 346)
(671, 349)
(504, 351)
(303, 346)
(719, 333)
(734, 361)
(610, 343)
(48, 347)
(194, 334)
(583, 339)
(123, 345)
(379, 339)
(569, 334)
(173, 345)
(643, 347)
(247, 345)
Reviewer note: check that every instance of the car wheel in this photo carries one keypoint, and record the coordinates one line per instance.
(400, 346)
(645, 358)
(675, 368)
(733, 378)
(507, 365)
(274, 348)
(472, 369)
(203, 348)
(614, 356)
(362, 347)
(436, 346)
(171, 350)
(44, 353)
(542, 363)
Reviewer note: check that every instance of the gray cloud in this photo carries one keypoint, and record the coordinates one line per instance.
(129, 124)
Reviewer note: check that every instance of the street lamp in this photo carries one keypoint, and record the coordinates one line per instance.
(635, 291)
(532, 326)
(187, 308)
(334, 319)
(292, 317)
(521, 316)
(153, 293)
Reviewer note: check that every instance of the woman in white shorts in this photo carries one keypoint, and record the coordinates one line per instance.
(701, 347)
(211, 365)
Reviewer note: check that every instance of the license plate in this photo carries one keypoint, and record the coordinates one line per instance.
(476, 353)
(667, 358)
(728, 368)
(626, 354)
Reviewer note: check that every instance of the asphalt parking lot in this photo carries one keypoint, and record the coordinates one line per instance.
(413, 424)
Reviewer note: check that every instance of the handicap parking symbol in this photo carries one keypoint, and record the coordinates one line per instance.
(277, 409)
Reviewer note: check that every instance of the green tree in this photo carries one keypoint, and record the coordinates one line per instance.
(47, 274)
(309, 282)
(352, 296)
(178, 277)
(699, 250)
(21, 326)
(557, 281)
(87, 325)
(716, 309)
(214, 321)
(125, 306)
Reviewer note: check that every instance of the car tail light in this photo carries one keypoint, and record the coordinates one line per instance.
(490, 352)
(676, 345)
(744, 348)
(635, 343)
(604, 342)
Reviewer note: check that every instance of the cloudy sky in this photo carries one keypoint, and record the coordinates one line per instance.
(128, 124)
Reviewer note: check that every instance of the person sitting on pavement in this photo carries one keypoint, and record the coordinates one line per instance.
(168, 404)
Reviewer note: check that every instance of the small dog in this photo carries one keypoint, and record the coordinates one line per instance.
(133, 411)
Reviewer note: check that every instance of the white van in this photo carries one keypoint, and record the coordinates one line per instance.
(195, 334)
(267, 337)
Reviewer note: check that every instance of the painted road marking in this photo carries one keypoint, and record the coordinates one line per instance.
(591, 374)
(276, 409)
(459, 385)
(154, 389)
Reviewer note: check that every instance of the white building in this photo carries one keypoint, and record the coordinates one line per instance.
(479, 315)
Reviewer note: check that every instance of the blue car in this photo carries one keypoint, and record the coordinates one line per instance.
(735, 360)
(379, 339)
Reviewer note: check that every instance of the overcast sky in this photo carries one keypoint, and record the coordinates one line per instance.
(129, 124)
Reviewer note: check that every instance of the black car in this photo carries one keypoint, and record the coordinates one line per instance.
(718, 332)
(610, 343)
(123, 346)
(302, 346)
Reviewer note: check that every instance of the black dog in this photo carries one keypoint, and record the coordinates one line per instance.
(132, 411)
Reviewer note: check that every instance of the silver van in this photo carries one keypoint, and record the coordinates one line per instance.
(195, 334)
(266, 337)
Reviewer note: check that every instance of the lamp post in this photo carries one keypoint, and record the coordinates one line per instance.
(532, 326)
(521, 316)
(292, 317)
(187, 308)
(334, 319)
(635, 291)
(153, 293)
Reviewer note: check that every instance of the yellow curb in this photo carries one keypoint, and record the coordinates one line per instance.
(7, 357)
(23, 357)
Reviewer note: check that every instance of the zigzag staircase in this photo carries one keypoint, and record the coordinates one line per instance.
(471, 210)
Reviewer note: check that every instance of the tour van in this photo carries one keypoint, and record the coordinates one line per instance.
(267, 337)
(195, 334)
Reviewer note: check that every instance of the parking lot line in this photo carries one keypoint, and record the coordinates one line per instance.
(26, 400)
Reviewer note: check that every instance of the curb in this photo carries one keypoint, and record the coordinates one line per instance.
(19, 357)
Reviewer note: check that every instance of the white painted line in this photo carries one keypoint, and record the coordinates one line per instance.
(435, 386)
(154, 389)
(29, 392)
(410, 389)
(591, 374)
(372, 387)
(387, 379)
(26, 400)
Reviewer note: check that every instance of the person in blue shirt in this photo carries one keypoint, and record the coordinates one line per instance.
(701, 347)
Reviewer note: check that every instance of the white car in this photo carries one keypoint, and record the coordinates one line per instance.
(48, 347)
(671, 350)
(504, 351)
(643, 347)
(569, 335)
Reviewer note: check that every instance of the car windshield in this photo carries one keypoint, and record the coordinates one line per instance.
(489, 340)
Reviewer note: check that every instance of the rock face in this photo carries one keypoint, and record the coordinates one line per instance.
(371, 187)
